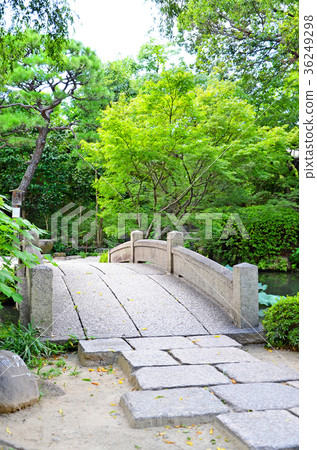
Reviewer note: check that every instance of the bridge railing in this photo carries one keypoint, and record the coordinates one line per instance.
(236, 291)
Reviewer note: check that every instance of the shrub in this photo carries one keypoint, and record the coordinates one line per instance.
(281, 323)
(25, 342)
(273, 233)
(104, 258)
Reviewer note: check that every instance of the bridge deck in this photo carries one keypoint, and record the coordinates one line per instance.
(93, 299)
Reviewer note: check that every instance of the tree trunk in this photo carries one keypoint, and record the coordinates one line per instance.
(36, 157)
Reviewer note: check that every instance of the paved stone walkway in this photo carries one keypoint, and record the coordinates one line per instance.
(177, 348)
(93, 299)
(191, 380)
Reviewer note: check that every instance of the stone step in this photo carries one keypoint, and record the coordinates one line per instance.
(260, 430)
(214, 340)
(186, 406)
(152, 378)
(98, 352)
(258, 396)
(258, 372)
(130, 361)
(160, 343)
(216, 355)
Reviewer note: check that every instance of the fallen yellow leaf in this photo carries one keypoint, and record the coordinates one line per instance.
(145, 328)
(91, 370)
(78, 292)
(96, 384)
(189, 443)
(61, 412)
(233, 381)
(211, 431)
(168, 442)
(113, 404)
(8, 431)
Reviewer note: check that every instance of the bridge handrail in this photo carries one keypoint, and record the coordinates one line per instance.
(236, 291)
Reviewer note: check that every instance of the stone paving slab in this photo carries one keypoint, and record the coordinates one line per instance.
(177, 377)
(263, 430)
(258, 372)
(101, 313)
(129, 361)
(215, 340)
(101, 351)
(295, 411)
(258, 396)
(214, 319)
(295, 384)
(153, 310)
(216, 355)
(245, 336)
(185, 406)
(63, 308)
(160, 343)
(145, 268)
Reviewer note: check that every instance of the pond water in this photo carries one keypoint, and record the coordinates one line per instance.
(280, 283)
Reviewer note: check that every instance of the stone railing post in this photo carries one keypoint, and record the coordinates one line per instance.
(135, 236)
(41, 298)
(174, 239)
(245, 295)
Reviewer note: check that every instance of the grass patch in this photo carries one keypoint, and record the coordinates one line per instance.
(25, 342)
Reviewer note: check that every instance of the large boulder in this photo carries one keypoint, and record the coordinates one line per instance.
(18, 386)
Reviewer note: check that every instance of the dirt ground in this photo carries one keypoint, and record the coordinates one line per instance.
(87, 415)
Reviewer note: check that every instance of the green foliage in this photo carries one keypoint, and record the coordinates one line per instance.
(255, 42)
(281, 323)
(25, 342)
(51, 18)
(10, 247)
(43, 95)
(265, 300)
(57, 182)
(273, 232)
(104, 257)
(294, 259)
(179, 142)
(278, 263)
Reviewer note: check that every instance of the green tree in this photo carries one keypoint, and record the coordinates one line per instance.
(32, 101)
(176, 143)
(254, 41)
(51, 18)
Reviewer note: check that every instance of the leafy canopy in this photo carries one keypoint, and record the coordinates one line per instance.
(51, 18)
(255, 42)
(177, 143)
(39, 87)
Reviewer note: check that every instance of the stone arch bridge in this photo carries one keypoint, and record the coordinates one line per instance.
(148, 288)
